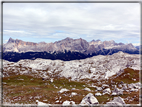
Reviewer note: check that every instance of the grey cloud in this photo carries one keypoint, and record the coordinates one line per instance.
(41, 19)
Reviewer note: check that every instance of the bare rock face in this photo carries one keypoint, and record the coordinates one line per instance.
(108, 43)
(89, 99)
(91, 49)
(72, 44)
(117, 101)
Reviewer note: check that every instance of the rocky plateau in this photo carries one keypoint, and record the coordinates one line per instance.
(111, 80)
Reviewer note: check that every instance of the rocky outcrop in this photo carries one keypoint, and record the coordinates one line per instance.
(94, 67)
(134, 86)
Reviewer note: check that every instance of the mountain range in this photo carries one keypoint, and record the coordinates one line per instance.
(66, 49)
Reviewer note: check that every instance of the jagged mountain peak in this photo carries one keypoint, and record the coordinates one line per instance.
(93, 40)
(130, 45)
(68, 38)
(81, 39)
(11, 40)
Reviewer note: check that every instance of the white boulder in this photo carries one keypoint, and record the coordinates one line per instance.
(39, 103)
(51, 80)
(99, 88)
(63, 90)
(66, 103)
(73, 93)
(114, 93)
(105, 86)
(131, 90)
(89, 99)
(87, 89)
(117, 101)
(98, 94)
(106, 91)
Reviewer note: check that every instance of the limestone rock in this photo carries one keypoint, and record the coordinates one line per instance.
(117, 101)
(98, 94)
(124, 87)
(106, 91)
(117, 91)
(89, 99)
(63, 90)
(87, 89)
(66, 103)
(105, 86)
(99, 88)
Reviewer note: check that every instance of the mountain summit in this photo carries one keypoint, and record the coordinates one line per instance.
(11, 40)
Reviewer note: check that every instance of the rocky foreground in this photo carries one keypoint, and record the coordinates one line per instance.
(109, 80)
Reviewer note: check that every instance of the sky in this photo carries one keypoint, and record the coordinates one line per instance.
(50, 22)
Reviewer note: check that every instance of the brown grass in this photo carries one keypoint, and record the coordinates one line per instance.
(30, 87)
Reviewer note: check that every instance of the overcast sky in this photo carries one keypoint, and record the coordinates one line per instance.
(50, 22)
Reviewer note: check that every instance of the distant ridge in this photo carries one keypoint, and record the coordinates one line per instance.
(66, 49)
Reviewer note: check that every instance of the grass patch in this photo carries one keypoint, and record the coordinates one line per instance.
(104, 98)
(21, 80)
(27, 89)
